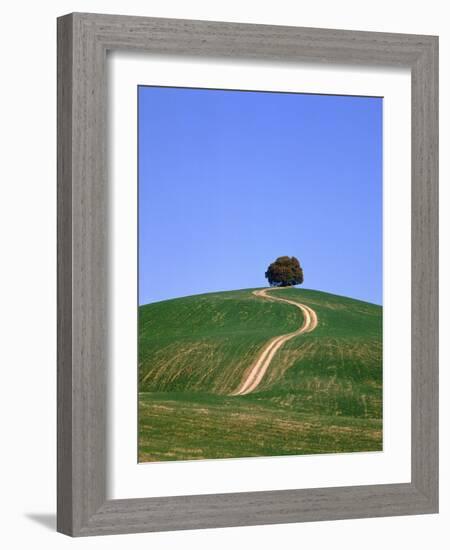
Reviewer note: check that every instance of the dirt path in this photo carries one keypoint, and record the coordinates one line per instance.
(260, 366)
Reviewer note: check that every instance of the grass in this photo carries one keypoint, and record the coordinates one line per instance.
(321, 394)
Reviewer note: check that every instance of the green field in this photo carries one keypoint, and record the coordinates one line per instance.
(321, 394)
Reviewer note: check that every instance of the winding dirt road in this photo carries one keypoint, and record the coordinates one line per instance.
(260, 366)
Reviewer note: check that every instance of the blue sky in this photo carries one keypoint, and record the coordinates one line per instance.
(230, 180)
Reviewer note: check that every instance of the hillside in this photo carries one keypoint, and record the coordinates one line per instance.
(321, 393)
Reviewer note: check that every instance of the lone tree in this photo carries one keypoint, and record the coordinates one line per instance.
(285, 271)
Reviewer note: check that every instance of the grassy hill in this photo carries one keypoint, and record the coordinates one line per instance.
(321, 394)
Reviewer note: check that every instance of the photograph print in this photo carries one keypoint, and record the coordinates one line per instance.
(260, 274)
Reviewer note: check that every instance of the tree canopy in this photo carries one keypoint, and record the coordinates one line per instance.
(285, 271)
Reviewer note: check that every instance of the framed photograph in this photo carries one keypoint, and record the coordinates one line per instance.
(247, 274)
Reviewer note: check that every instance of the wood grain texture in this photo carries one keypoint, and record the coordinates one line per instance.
(425, 287)
(83, 40)
(64, 299)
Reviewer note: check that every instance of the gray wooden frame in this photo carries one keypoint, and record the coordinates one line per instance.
(83, 40)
